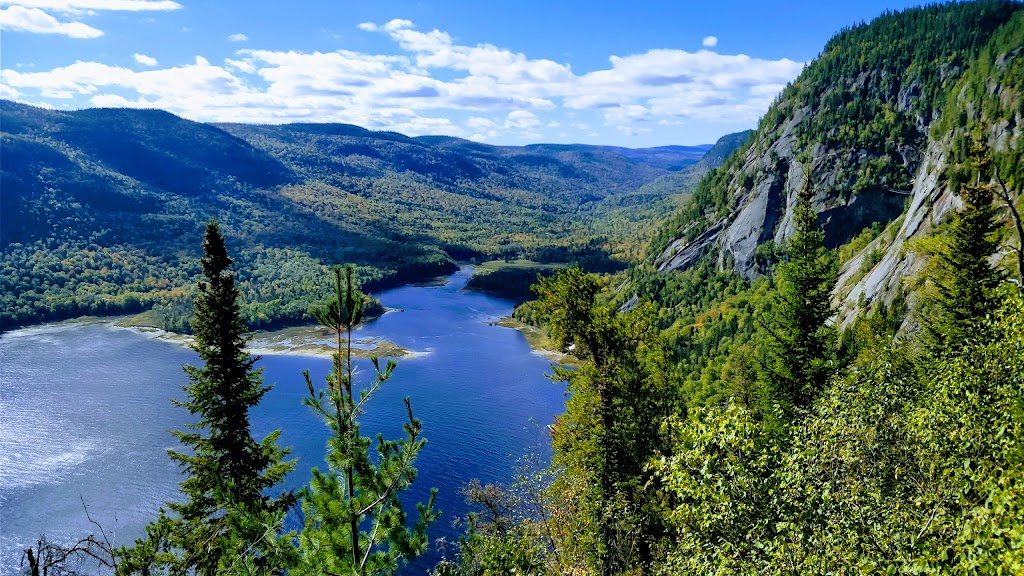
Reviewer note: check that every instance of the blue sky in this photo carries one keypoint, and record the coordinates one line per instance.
(630, 73)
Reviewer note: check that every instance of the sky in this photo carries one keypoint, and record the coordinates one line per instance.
(633, 73)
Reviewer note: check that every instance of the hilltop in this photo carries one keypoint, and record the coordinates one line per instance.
(103, 208)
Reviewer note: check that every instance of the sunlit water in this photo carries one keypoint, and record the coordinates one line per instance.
(85, 412)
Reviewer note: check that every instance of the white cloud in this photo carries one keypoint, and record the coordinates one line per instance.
(767, 89)
(479, 123)
(709, 41)
(397, 24)
(245, 66)
(238, 38)
(22, 19)
(34, 15)
(431, 77)
(8, 93)
(436, 49)
(145, 60)
(174, 86)
(78, 6)
(627, 114)
(523, 119)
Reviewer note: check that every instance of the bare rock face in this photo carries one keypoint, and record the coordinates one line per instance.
(764, 211)
(896, 180)
(754, 224)
(858, 290)
(681, 254)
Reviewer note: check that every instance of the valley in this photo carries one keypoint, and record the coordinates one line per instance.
(109, 228)
(796, 350)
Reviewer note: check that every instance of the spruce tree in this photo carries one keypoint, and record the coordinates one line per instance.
(227, 523)
(802, 345)
(354, 520)
(965, 280)
(619, 393)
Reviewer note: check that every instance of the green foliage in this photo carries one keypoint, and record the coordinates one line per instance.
(354, 520)
(907, 464)
(227, 521)
(858, 243)
(904, 459)
(99, 205)
(718, 485)
(979, 115)
(510, 280)
(502, 537)
(629, 220)
(876, 85)
(705, 315)
(617, 397)
(965, 280)
(802, 345)
(859, 113)
(711, 200)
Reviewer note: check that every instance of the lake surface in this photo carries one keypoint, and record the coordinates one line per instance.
(85, 412)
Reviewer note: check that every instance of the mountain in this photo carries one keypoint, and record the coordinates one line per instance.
(635, 216)
(879, 127)
(685, 180)
(103, 209)
(873, 126)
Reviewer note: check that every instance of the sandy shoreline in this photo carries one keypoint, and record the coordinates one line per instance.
(538, 340)
(308, 341)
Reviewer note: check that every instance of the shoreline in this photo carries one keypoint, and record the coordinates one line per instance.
(307, 341)
(538, 341)
(311, 340)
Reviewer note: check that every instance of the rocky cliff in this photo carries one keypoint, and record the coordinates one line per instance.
(875, 126)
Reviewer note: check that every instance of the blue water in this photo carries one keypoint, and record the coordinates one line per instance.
(85, 412)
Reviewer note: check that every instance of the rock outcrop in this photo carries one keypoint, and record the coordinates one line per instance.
(898, 180)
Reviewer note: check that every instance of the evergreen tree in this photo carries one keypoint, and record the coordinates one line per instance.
(802, 346)
(355, 523)
(619, 395)
(227, 523)
(965, 280)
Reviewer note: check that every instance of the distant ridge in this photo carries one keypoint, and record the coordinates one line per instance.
(103, 208)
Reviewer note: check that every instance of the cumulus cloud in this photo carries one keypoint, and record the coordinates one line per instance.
(522, 119)
(170, 85)
(35, 16)
(77, 6)
(8, 93)
(431, 79)
(22, 19)
(145, 60)
(480, 123)
(710, 41)
(238, 38)
(627, 114)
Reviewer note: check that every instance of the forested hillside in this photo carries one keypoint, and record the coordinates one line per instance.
(101, 208)
(855, 124)
(633, 217)
(829, 334)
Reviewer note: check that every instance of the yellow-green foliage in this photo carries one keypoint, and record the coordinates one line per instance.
(909, 464)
